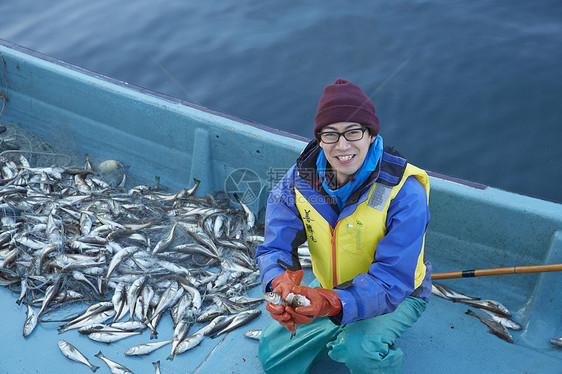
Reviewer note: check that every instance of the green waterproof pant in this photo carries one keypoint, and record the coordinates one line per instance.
(365, 346)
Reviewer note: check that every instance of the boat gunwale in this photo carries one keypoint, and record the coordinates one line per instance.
(147, 91)
(275, 132)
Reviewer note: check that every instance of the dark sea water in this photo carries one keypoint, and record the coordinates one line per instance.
(471, 89)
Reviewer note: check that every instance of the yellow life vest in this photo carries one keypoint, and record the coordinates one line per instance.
(342, 252)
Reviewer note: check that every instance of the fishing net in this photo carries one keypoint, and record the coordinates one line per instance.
(16, 141)
(4, 88)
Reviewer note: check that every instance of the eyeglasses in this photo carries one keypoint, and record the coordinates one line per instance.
(331, 137)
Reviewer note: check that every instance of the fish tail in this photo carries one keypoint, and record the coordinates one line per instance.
(471, 313)
(94, 368)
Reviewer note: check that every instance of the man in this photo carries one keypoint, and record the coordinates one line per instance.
(364, 211)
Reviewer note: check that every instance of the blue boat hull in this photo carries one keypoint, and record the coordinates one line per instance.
(472, 226)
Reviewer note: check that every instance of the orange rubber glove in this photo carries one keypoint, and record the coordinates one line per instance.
(283, 284)
(279, 314)
(323, 303)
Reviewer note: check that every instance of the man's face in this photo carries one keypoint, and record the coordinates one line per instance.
(346, 157)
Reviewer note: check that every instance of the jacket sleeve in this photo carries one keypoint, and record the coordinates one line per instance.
(284, 232)
(391, 277)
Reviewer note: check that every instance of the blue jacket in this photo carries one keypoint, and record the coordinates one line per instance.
(387, 282)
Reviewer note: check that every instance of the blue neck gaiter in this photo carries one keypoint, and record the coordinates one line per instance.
(369, 165)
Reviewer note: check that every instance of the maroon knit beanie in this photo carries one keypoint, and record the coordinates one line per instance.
(345, 102)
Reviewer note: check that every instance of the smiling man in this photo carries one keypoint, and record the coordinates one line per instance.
(363, 210)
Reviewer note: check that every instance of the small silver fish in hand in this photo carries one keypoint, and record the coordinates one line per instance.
(292, 300)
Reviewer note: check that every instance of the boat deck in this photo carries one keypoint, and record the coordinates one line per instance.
(443, 340)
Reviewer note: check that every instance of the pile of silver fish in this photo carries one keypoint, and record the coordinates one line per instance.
(500, 320)
(133, 255)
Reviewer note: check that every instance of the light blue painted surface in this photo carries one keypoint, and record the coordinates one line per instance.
(153, 135)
